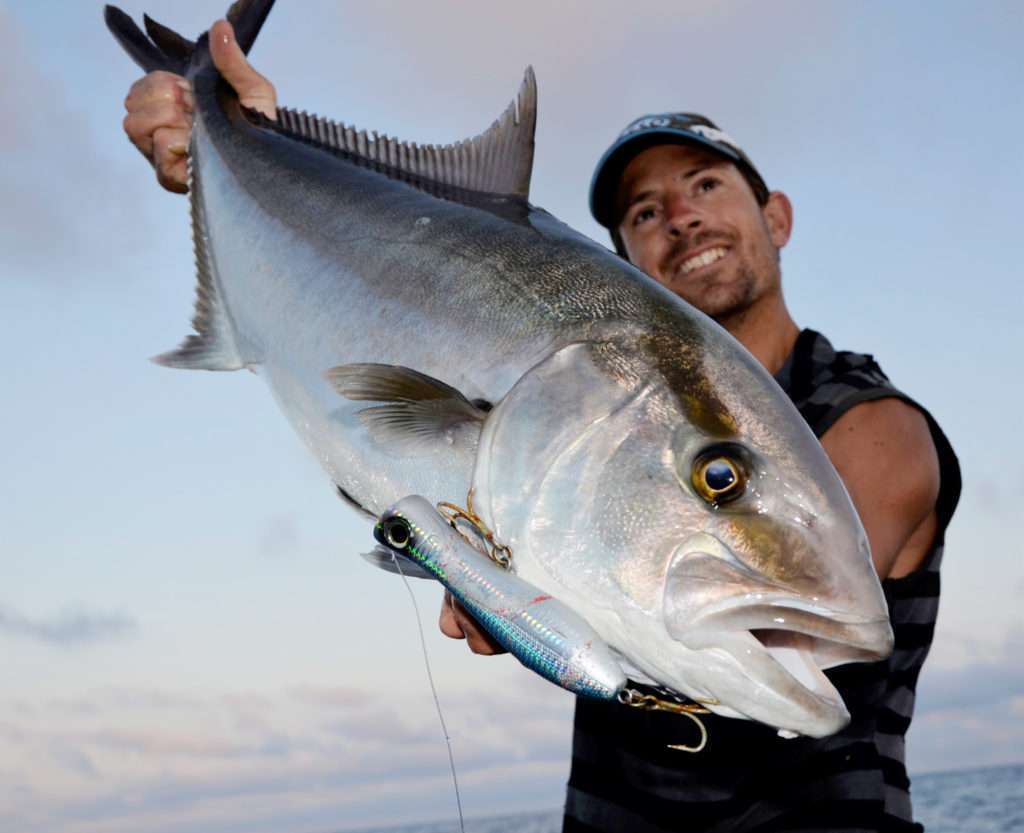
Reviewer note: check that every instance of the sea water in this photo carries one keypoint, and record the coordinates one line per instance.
(989, 800)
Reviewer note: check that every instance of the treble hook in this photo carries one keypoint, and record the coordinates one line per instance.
(703, 736)
(648, 702)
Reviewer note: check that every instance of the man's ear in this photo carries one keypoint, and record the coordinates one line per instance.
(778, 217)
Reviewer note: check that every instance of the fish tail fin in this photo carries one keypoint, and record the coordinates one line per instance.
(161, 48)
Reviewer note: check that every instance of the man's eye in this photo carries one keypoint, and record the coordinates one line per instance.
(643, 215)
(708, 184)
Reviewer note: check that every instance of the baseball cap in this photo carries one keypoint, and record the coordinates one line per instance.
(663, 129)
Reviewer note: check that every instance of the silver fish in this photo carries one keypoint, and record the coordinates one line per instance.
(428, 331)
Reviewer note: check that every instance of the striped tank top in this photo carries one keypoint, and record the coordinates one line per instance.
(625, 780)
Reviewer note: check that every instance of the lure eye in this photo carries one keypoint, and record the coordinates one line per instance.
(718, 478)
(397, 533)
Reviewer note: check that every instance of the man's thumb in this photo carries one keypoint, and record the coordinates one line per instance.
(253, 89)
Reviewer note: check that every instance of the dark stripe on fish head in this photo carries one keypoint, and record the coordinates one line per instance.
(681, 363)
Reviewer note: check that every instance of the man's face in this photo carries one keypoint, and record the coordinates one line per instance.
(690, 220)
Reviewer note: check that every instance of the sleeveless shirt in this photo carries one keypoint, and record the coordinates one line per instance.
(624, 779)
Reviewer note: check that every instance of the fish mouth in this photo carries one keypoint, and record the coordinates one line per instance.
(769, 644)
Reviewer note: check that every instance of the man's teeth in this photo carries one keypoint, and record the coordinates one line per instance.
(703, 259)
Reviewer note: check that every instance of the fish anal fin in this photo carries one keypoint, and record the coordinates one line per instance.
(497, 162)
(213, 346)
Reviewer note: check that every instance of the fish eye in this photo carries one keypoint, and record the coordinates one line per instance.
(397, 533)
(719, 477)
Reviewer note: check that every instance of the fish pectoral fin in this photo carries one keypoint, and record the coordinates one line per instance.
(388, 382)
(418, 412)
(382, 558)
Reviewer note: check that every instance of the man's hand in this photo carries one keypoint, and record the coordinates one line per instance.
(457, 623)
(160, 107)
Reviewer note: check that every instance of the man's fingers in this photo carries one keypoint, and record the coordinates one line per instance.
(253, 89)
(449, 624)
(457, 623)
(142, 123)
(159, 122)
(161, 105)
(156, 86)
(170, 158)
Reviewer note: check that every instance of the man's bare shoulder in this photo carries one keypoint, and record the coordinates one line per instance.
(883, 450)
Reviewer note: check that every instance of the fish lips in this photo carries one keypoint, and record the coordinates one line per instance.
(770, 643)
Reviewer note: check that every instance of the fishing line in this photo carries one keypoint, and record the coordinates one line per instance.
(433, 691)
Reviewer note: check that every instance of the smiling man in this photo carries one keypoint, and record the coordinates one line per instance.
(684, 203)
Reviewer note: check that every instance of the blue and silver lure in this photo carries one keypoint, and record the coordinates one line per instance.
(541, 632)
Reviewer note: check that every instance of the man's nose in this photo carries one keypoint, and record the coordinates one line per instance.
(681, 215)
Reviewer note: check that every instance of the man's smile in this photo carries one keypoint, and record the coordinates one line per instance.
(701, 259)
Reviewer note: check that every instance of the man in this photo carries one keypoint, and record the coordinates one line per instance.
(687, 206)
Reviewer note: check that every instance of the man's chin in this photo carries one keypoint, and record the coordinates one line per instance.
(721, 303)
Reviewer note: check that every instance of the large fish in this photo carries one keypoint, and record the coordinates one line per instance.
(428, 331)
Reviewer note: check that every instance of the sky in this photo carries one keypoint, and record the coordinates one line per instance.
(189, 640)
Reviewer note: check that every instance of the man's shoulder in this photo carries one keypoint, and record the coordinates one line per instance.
(830, 366)
(847, 395)
(826, 383)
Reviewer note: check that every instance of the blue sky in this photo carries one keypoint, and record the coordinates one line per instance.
(189, 639)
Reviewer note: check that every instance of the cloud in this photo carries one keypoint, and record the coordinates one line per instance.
(67, 629)
(996, 679)
(317, 759)
(975, 685)
(66, 203)
(969, 714)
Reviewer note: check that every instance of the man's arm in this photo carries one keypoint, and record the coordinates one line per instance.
(885, 455)
(160, 107)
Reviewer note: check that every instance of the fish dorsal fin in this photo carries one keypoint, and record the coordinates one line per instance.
(417, 413)
(499, 161)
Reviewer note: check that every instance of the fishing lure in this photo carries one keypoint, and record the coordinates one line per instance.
(537, 629)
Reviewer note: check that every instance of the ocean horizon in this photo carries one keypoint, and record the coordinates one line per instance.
(980, 800)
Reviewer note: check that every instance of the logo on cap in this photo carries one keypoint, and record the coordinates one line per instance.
(646, 123)
(713, 134)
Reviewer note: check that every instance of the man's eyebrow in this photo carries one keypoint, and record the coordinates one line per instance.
(643, 195)
(703, 166)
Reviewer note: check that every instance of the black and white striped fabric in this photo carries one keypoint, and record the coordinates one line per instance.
(624, 778)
